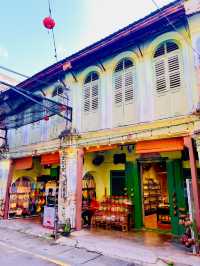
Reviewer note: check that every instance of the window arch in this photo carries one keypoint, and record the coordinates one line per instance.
(91, 92)
(58, 91)
(124, 81)
(167, 67)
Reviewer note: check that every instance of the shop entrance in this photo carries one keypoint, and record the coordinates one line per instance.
(34, 189)
(155, 196)
(117, 183)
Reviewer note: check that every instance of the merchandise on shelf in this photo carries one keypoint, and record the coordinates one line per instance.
(88, 190)
(151, 195)
(114, 212)
(26, 197)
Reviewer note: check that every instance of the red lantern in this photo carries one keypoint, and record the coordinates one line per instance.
(46, 118)
(49, 23)
(62, 108)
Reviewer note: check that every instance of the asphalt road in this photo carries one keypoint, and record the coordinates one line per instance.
(18, 249)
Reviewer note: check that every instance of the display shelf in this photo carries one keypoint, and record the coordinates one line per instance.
(151, 195)
(19, 193)
(88, 190)
(114, 213)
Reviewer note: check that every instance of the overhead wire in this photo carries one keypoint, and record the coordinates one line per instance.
(41, 82)
(174, 27)
(50, 13)
(26, 95)
(52, 33)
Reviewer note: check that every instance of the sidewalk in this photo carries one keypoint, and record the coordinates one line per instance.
(143, 248)
(28, 226)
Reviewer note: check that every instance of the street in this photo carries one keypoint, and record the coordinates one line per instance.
(17, 248)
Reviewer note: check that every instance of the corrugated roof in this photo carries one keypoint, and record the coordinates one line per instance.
(54, 70)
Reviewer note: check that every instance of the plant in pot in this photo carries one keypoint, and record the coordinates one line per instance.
(66, 228)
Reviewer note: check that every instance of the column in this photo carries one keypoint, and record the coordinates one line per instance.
(80, 155)
(70, 186)
(67, 186)
(7, 166)
(195, 190)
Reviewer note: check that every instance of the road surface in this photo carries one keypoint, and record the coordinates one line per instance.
(20, 249)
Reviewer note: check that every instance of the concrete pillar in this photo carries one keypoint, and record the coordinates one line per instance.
(195, 190)
(7, 167)
(80, 155)
(68, 185)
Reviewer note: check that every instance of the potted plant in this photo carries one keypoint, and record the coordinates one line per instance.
(66, 228)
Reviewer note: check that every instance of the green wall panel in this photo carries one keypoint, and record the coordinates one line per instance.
(134, 192)
(176, 193)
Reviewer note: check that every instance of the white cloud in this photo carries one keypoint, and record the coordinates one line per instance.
(62, 51)
(107, 16)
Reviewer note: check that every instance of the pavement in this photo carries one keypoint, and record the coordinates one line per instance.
(17, 248)
(135, 248)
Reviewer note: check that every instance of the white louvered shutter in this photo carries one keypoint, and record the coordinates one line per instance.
(174, 72)
(95, 95)
(167, 67)
(129, 84)
(160, 76)
(118, 87)
(124, 92)
(91, 102)
(86, 98)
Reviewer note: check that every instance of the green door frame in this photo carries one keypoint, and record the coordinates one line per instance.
(133, 182)
(175, 182)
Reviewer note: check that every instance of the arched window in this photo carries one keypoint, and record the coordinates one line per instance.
(58, 91)
(91, 92)
(124, 82)
(167, 67)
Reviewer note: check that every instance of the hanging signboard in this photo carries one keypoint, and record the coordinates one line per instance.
(49, 217)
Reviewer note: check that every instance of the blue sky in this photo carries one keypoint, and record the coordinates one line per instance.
(25, 44)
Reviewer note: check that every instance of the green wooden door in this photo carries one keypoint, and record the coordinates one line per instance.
(176, 193)
(133, 183)
(117, 183)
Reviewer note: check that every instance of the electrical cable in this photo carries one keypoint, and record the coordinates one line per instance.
(174, 27)
(25, 94)
(106, 139)
(41, 82)
(52, 33)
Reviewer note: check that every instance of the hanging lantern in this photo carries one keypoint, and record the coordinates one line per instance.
(62, 108)
(46, 118)
(49, 23)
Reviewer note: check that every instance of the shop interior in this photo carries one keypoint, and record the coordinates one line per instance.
(34, 188)
(105, 201)
(155, 196)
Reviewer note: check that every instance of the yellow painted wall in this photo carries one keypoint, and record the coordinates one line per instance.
(102, 173)
(37, 170)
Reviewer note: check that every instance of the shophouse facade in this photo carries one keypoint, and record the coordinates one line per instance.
(134, 133)
(4, 163)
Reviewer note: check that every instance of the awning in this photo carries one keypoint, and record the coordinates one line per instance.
(50, 158)
(161, 145)
(100, 148)
(23, 163)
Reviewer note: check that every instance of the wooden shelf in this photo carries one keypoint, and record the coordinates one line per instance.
(19, 193)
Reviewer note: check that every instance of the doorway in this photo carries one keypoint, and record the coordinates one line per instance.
(117, 183)
(156, 207)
